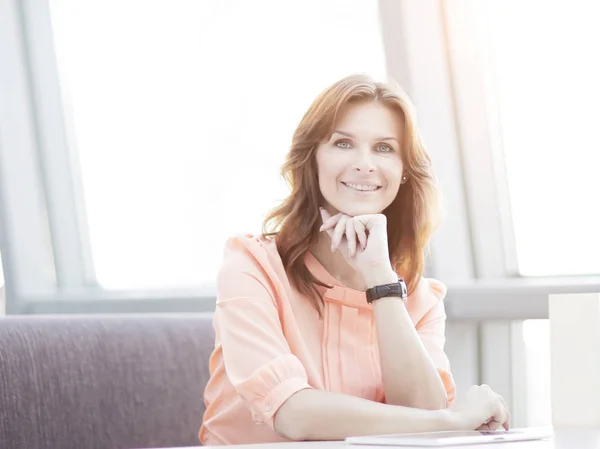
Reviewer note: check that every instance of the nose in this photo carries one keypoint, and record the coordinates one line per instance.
(364, 162)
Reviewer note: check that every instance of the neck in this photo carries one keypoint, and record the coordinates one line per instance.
(336, 264)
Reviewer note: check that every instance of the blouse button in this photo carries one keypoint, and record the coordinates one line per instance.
(268, 408)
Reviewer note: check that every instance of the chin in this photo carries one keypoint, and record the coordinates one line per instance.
(360, 209)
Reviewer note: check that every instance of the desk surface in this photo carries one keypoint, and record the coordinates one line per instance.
(563, 439)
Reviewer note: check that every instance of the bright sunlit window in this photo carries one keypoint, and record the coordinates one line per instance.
(182, 113)
(546, 79)
(547, 72)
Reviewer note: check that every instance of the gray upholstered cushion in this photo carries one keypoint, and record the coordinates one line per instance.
(102, 382)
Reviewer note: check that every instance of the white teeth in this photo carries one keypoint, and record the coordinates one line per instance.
(361, 187)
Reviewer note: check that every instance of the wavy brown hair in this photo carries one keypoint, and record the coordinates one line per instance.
(411, 217)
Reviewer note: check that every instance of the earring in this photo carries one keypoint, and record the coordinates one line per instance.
(403, 179)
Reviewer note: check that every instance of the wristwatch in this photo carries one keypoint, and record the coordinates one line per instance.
(381, 291)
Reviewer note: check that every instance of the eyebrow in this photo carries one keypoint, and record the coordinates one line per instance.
(343, 133)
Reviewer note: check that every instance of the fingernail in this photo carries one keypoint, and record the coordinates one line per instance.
(321, 228)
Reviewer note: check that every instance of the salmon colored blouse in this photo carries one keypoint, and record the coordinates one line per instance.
(271, 343)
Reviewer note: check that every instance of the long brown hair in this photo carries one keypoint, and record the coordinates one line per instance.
(412, 216)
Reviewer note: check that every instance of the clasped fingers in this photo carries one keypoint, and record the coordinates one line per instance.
(344, 231)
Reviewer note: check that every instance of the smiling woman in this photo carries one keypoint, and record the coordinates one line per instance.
(325, 327)
(361, 133)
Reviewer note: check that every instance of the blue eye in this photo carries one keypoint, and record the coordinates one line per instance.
(343, 144)
(383, 148)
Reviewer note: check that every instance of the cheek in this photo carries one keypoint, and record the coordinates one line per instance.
(328, 170)
(393, 174)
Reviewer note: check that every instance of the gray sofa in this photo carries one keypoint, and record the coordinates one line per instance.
(103, 382)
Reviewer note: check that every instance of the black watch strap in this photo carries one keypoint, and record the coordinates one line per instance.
(381, 291)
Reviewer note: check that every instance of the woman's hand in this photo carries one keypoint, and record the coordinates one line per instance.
(363, 242)
(481, 409)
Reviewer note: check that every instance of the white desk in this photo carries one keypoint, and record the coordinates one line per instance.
(563, 439)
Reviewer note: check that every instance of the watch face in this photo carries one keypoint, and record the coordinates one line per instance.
(403, 289)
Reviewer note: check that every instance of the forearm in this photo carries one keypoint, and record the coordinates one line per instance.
(409, 375)
(321, 415)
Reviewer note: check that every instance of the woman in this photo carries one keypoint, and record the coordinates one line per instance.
(315, 337)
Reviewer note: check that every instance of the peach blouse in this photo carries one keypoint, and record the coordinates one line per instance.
(270, 342)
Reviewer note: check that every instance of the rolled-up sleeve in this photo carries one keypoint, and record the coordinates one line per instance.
(431, 329)
(257, 357)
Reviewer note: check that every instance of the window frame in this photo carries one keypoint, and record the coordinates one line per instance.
(24, 234)
(470, 253)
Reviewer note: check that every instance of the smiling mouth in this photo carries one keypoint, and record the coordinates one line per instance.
(362, 187)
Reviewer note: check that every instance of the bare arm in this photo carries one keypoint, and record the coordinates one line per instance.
(321, 415)
(410, 377)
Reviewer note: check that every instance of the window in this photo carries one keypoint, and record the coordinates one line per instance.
(548, 95)
(182, 112)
